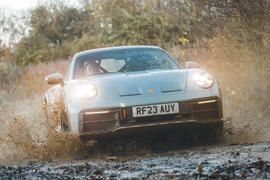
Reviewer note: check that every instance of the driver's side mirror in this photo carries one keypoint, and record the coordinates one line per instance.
(192, 65)
(55, 78)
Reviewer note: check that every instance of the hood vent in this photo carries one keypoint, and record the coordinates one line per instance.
(126, 95)
(170, 91)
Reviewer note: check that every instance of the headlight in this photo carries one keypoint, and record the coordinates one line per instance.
(84, 91)
(203, 79)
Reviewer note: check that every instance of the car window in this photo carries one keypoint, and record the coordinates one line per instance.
(122, 60)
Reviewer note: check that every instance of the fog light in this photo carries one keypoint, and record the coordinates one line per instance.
(205, 102)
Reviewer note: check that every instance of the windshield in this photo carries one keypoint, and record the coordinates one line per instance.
(122, 60)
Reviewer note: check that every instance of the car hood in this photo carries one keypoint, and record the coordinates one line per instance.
(142, 83)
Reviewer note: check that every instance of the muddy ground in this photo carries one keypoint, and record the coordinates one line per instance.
(250, 161)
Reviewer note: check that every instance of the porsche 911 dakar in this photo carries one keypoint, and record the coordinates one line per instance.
(112, 89)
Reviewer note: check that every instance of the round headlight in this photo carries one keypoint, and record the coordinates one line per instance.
(84, 91)
(203, 79)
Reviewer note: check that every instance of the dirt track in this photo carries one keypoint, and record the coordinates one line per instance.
(224, 162)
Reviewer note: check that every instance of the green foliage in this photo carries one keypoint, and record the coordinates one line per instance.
(35, 49)
(57, 30)
(56, 23)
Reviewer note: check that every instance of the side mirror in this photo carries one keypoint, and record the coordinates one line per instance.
(55, 78)
(192, 65)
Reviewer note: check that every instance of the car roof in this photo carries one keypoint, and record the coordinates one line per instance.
(114, 48)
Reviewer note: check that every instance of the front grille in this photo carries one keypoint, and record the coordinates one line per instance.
(202, 109)
(107, 119)
(195, 109)
(99, 117)
(96, 121)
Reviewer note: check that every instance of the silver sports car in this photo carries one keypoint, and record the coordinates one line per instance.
(130, 87)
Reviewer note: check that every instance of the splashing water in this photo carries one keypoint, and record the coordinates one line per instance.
(26, 135)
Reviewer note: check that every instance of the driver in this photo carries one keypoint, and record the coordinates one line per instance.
(91, 68)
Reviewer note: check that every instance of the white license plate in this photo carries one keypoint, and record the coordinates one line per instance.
(152, 110)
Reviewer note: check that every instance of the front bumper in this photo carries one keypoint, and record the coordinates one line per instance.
(198, 111)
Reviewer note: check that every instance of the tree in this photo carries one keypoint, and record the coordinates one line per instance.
(56, 22)
(12, 28)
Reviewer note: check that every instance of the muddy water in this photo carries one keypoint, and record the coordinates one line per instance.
(223, 162)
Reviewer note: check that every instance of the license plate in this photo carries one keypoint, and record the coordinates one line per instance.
(152, 110)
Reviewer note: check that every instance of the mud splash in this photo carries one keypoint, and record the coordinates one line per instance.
(243, 75)
(26, 135)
